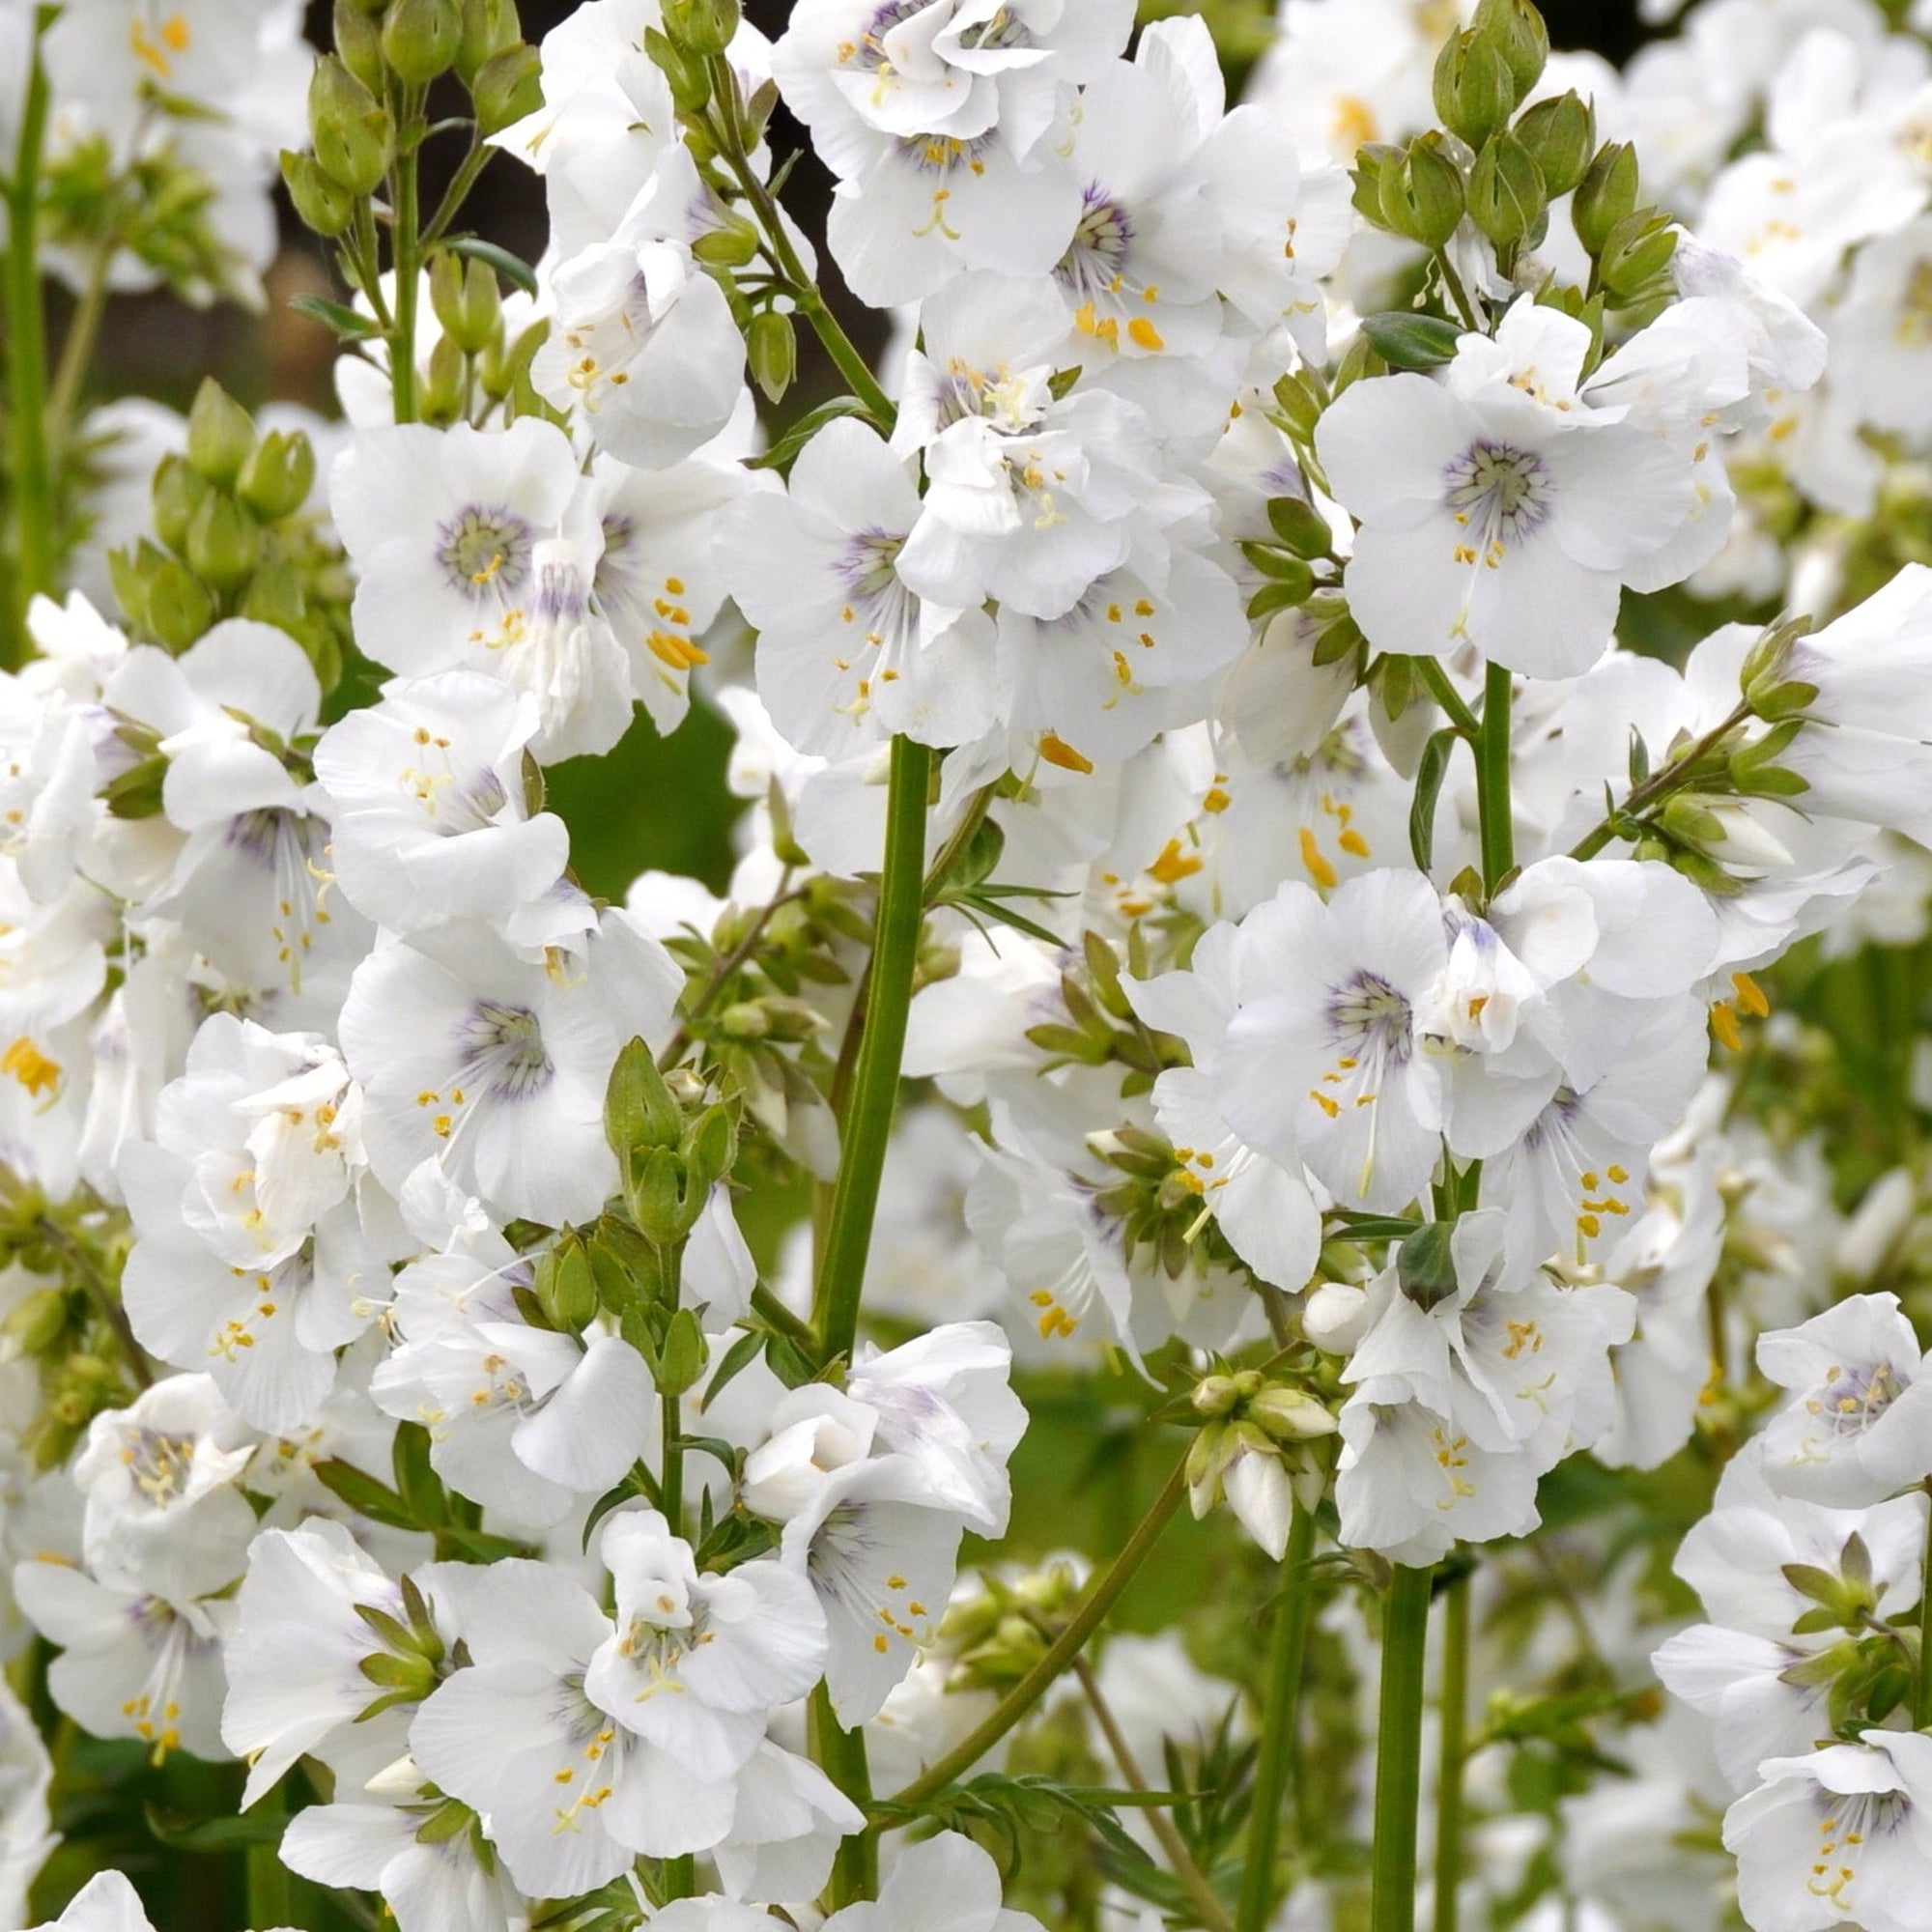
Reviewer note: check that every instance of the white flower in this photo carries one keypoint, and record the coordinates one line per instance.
(428, 798)
(1327, 1065)
(697, 1663)
(1492, 517)
(943, 1883)
(1859, 1425)
(1839, 1837)
(494, 1069)
(163, 1512)
(436, 1886)
(849, 653)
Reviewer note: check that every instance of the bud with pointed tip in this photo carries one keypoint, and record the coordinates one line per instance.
(1475, 91)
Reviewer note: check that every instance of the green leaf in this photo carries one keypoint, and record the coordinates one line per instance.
(785, 452)
(1428, 776)
(1409, 341)
(638, 1483)
(505, 264)
(345, 322)
(739, 1355)
(416, 1482)
(365, 1495)
(186, 1832)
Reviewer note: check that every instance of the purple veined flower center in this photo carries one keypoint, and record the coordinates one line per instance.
(1500, 494)
(1367, 1016)
(1000, 30)
(453, 800)
(1096, 263)
(877, 602)
(485, 552)
(836, 1566)
(158, 1464)
(1854, 1395)
(503, 1048)
(1848, 1823)
(868, 51)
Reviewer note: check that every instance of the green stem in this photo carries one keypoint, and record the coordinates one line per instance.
(1280, 1711)
(868, 1121)
(1454, 1751)
(1492, 778)
(32, 479)
(1457, 293)
(268, 1877)
(1435, 681)
(1921, 1694)
(1399, 1752)
(77, 349)
(1060, 1654)
(678, 1877)
(404, 251)
(456, 193)
(841, 1755)
(1683, 769)
(1208, 1906)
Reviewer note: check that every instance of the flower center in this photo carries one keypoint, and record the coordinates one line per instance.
(1500, 494)
(1853, 1398)
(158, 1464)
(485, 553)
(502, 1045)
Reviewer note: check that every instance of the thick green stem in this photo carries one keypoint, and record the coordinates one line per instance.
(404, 251)
(1921, 1696)
(841, 1755)
(678, 1877)
(32, 477)
(1280, 1711)
(868, 1121)
(1492, 778)
(1399, 1752)
(1065, 1648)
(1454, 1751)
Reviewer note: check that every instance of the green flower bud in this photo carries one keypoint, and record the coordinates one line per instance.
(225, 543)
(35, 1324)
(489, 27)
(420, 38)
(710, 1147)
(1690, 822)
(1475, 91)
(319, 203)
(467, 301)
(682, 1357)
(1291, 1414)
(1605, 195)
(220, 433)
(1516, 30)
(1560, 136)
(1635, 252)
(508, 86)
(663, 1203)
(1425, 1265)
(275, 481)
(1506, 192)
(688, 76)
(772, 346)
(638, 1109)
(1215, 1395)
(179, 607)
(733, 246)
(358, 43)
(178, 492)
(701, 27)
(1372, 162)
(351, 129)
(566, 1288)
(441, 398)
(1422, 195)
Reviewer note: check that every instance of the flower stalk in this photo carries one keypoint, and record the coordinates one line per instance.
(1399, 1751)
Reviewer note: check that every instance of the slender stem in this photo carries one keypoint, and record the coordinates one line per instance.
(868, 1121)
(1457, 293)
(1208, 1906)
(1280, 1712)
(103, 1295)
(77, 349)
(1454, 1751)
(1922, 1696)
(268, 1877)
(1492, 778)
(1659, 785)
(1399, 1752)
(678, 1877)
(803, 289)
(1060, 1654)
(841, 1755)
(456, 193)
(404, 251)
(721, 973)
(1435, 681)
(773, 1311)
(32, 479)
(366, 257)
